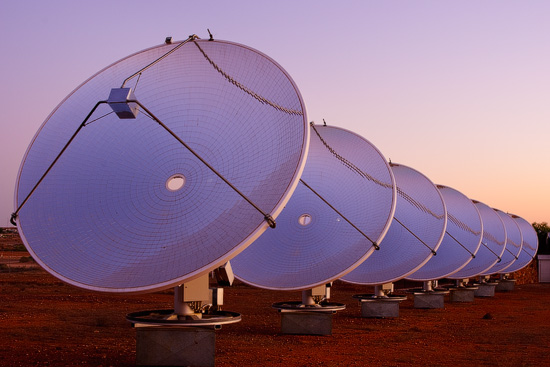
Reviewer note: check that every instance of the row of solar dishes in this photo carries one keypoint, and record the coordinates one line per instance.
(214, 148)
(433, 231)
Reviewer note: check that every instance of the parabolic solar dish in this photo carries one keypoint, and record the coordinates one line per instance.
(529, 245)
(461, 241)
(127, 207)
(492, 246)
(513, 244)
(344, 203)
(415, 233)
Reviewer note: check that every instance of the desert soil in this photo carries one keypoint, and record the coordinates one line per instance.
(44, 322)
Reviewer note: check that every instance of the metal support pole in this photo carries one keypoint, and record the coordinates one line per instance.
(181, 308)
(427, 286)
(307, 298)
(379, 291)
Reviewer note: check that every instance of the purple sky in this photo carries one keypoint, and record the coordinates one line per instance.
(459, 91)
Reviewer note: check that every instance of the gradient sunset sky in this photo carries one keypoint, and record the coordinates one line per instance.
(458, 90)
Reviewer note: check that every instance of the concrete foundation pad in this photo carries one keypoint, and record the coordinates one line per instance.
(485, 290)
(505, 285)
(306, 323)
(429, 300)
(175, 346)
(379, 309)
(462, 294)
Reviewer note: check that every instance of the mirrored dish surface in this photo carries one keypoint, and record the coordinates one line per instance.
(127, 208)
(529, 245)
(461, 241)
(416, 231)
(346, 180)
(513, 244)
(492, 246)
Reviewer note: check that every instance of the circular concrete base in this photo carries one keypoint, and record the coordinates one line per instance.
(462, 294)
(485, 289)
(379, 306)
(506, 285)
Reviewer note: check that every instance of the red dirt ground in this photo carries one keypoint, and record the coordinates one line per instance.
(44, 322)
